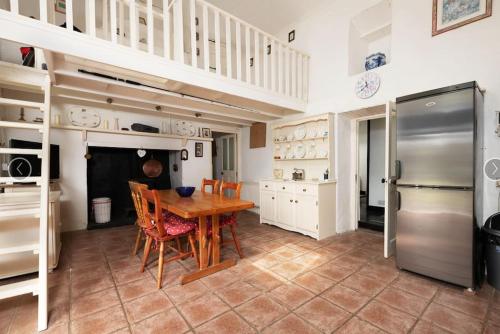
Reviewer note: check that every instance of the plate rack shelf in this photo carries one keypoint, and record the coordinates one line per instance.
(304, 144)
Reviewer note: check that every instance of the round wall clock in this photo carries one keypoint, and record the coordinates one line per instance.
(367, 85)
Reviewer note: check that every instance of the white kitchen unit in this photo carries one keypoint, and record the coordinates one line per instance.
(19, 233)
(307, 207)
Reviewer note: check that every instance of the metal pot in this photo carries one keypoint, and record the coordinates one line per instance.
(152, 168)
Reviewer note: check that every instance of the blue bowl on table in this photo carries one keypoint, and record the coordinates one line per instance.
(185, 191)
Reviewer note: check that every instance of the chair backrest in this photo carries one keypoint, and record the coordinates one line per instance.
(151, 200)
(135, 189)
(236, 187)
(213, 183)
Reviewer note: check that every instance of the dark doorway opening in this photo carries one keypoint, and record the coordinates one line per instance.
(371, 161)
(108, 171)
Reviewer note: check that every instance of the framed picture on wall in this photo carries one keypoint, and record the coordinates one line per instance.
(198, 150)
(451, 14)
(60, 6)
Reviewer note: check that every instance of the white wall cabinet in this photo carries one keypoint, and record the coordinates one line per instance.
(307, 207)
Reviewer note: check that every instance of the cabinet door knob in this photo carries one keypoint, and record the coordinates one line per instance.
(304, 190)
(266, 186)
(291, 201)
(296, 201)
(272, 197)
(283, 188)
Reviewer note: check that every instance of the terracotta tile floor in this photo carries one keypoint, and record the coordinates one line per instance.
(288, 283)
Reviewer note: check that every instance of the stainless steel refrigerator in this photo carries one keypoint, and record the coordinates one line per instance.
(439, 181)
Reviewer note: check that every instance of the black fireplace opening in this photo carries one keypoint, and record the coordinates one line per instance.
(108, 171)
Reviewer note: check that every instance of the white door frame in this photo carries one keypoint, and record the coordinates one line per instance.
(238, 146)
(355, 163)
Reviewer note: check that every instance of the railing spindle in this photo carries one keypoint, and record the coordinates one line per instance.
(273, 56)
(218, 66)
(166, 30)
(305, 91)
(256, 61)
(280, 68)
(91, 18)
(294, 74)
(300, 73)
(133, 24)
(229, 65)
(121, 21)
(247, 54)
(265, 58)
(178, 32)
(206, 50)
(192, 16)
(151, 27)
(43, 11)
(69, 15)
(14, 6)
(238, 50)
(112, 13)
(287, 71)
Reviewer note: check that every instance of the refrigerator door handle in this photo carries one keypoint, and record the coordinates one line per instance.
(398, 200)
(398, 169)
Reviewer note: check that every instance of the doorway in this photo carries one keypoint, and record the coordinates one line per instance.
(371, 173)
(225, 156)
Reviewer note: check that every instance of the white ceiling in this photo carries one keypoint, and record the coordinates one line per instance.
(269, 15)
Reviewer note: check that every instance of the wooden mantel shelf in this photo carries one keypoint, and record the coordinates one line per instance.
(128, 133)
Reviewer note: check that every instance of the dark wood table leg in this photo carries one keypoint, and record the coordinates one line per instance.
(202, 237)
(215, 240)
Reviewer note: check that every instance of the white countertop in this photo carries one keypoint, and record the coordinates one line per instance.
(319, 182)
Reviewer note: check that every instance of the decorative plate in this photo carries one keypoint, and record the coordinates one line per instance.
(322, 153)
(192, 130)
(300, 132)
(278, 173)
(300, 151)
(289, 155)
(289, 137)
(283, 153)
(311, 133)
(311, 152)
(84, 118)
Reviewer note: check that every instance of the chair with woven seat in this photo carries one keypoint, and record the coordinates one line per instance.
(230, 221)
(161, 232)
(135, 189)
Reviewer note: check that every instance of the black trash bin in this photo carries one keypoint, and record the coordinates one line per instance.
(491, 230)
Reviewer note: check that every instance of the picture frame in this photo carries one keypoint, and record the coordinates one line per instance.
(60, 6)
(184, 154)
(206, 133)
(451, 14)
(198, 150)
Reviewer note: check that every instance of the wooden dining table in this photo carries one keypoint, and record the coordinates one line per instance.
(202, 205)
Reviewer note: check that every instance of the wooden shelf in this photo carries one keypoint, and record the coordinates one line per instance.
(127, 133)
(299, 140)
(19, 288)
(301, 159)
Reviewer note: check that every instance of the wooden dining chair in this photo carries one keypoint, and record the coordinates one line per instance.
(229, 221)
(161, 232)
(135, 189)
(210, 183)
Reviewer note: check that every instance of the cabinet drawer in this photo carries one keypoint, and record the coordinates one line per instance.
(306, 189)
(267, 185)
(285, 187)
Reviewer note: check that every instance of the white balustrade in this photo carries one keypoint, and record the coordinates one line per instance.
(218, 41)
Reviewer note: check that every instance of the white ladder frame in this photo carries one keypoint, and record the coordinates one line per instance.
(35, 286)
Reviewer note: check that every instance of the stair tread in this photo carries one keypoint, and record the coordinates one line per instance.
(19, 288)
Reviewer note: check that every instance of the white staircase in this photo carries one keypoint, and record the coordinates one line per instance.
(12, 207)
